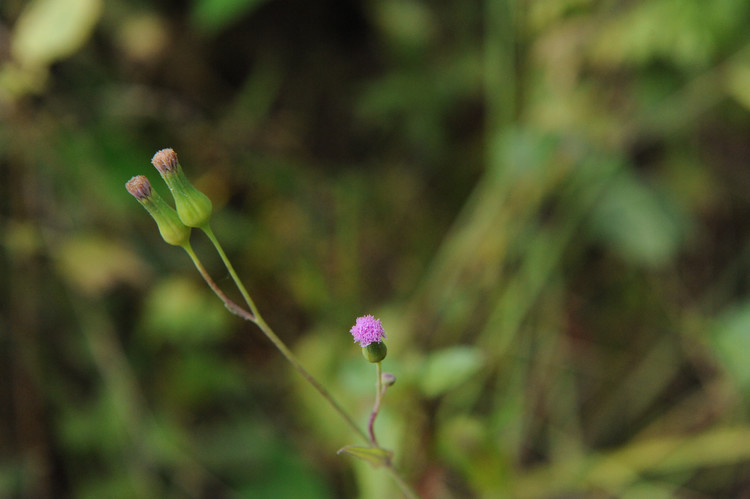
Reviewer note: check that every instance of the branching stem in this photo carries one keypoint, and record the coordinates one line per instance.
(253, 315)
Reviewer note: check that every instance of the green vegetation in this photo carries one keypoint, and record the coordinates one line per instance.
(545, 202)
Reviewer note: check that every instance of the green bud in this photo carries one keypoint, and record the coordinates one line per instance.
(375, 352)
(172, 230)
(388, 379)
(193, 207)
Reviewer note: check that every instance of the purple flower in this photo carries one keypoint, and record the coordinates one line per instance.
(368, 330)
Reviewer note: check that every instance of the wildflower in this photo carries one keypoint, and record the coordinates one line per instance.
(172, 230)
(193, 207)
(369, 332)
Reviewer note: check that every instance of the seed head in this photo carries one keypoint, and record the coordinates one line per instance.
(165, 161)
(171, 228)
(139, 187)
(193, 207)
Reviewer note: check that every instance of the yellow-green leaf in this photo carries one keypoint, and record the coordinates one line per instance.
(738, 83)
(49, 30)
(376, 457)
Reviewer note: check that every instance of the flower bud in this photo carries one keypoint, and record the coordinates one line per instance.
(193, 207)
(388, 379)
(172, 230)
(375, 352)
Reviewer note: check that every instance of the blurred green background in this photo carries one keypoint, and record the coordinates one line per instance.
(545, 201)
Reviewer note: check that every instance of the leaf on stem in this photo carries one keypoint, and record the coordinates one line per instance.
(375, 456)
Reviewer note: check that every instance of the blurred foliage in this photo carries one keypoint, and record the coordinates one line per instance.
(545, 201)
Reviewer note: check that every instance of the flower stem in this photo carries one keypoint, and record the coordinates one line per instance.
(250, 303)
(376, 407)
(254, 316)
(305, 374)
(231, 306)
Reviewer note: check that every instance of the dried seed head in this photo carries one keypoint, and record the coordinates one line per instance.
(165, 161)
(193, 207)
(139, 187)
(171, 228)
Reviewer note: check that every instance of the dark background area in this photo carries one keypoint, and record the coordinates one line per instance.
(546, 202)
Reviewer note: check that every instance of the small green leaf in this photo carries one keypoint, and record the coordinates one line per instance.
(376, 457)
(639, 223)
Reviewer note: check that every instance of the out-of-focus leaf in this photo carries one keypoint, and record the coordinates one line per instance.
(181, 313)
(17, 81)
(522, 155)
(409, 24)
(49, 30)
(95, 426)
(22, 240)
(685, 32)
(194, 380)
(467, 443)
(445, 369)
(543, 14)
(142, 37)
(738, 83)
(119, 483)
(93, 264)
(259, 459)
(731, 344)
(637, 223)
(213, 15)
(376, 457)
(416, 101)
(166, 440)
(11, 478)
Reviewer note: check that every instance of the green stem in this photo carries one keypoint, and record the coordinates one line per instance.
(310, 379)
(230, 268)
(376, 407)
(380, 392)
(254, 316)
(231, 306)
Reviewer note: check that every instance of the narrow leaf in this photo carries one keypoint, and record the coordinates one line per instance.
(376, 457)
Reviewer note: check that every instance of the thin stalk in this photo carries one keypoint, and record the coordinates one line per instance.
(379, 393)
(254, 316)
(230, 268)
(376, 407)
(308, 377)
(231, 306)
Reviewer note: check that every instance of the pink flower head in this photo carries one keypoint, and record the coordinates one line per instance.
(368, 330)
